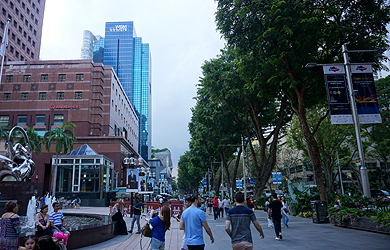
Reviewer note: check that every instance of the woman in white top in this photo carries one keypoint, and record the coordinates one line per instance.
(285, 211)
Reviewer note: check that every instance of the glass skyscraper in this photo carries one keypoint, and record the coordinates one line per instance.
(130, 59)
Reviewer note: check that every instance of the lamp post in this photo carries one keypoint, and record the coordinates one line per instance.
(363, 169)
(243, 161)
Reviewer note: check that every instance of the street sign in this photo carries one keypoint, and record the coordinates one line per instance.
(239, 183)
(277, 177)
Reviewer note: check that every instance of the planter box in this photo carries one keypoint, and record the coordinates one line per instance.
(367, 224)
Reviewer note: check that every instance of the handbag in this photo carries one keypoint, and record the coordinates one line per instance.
(286, 210)
(146, 231)
(39, 228)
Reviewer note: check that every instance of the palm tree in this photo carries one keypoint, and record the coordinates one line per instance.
(35, 140)
(64, 141)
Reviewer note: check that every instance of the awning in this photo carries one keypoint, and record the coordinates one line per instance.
(113, 191)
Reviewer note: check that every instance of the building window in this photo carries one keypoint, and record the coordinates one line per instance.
(33, 44)
(21, 58)
(13, 36)
(11, 49)
(23, 46)
(29, 39)
(10, 78)
(44, 78)
(4, 120)
(15, 24)
(26, 22)
(17, 54)
(24, 33)
(32, 55)
(60, 95)
(78, 95)
(61, 77)
(80, 77)
(7, 96)
(22, 119)
(42, 95)
(24, 96)
(18, 41)
(20, 30)
(40, 120)
(26, 78)
(28, 51)
(58, 119)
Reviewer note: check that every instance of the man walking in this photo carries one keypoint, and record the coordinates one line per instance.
(192, 221)
(275, 207)
(136, 216)
(239, 218)
(226, 204)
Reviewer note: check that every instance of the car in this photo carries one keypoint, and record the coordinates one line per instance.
(380, 192)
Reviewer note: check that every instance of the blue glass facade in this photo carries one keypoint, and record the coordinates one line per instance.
(98, 51)
(130, 59)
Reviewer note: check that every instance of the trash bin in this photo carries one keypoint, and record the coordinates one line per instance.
(319, 210)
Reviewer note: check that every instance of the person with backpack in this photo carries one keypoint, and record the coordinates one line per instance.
(159, 225)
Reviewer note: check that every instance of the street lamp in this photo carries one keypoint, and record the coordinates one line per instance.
(243, 161)
(363, 169)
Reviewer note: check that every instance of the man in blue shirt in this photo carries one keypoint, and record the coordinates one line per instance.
(192, 221)
(136, 216)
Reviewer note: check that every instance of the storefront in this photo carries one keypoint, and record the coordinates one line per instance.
(86, 174)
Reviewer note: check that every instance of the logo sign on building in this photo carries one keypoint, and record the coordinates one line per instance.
(64, 107)
(366, 98)
(119, 28)
(336, 87)
(276, 177)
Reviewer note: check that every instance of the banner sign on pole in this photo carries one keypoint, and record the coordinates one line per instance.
(336, 86)
(276, 178)
(366, 98)
(238, 183)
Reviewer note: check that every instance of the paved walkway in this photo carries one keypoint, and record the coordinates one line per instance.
(301, 234)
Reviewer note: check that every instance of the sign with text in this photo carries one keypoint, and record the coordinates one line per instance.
(366, 98)
(276, 177)
(336, 87)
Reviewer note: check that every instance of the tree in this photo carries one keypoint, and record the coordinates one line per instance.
(261, 109)
(283, 36)
(64, 139)
(35, 140)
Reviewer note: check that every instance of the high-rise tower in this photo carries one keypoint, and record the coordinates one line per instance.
(131, 61)
(25, 29)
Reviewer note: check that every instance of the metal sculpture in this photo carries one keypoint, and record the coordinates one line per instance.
(17, 160)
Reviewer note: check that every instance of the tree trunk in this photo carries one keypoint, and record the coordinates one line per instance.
(312, 147)
(55, 176)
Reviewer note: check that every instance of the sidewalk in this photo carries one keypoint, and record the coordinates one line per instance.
(301, 234)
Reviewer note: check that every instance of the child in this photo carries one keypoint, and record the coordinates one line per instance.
(29, 243)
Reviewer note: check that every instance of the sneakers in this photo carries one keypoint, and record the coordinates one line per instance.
(280, 236)
(277, 238)
(130, 231)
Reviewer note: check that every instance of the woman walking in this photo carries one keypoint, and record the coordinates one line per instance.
(42, 223)
(10, 227)
(285, 211)
(160, 224)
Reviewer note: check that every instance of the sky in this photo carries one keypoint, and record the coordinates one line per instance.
(181, 34)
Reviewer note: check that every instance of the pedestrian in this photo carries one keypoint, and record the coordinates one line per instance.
(220, 207)
(116, 215)
(57, 220)
(209, 204)
(187, 205)
(78, 202)
(10, 227)
(159, 225)
(46, 242)
(251, 203)
(29, 243)
(285, 212)
(42, 223)
(136, 216)
(266, 206)
(192, 221)
(226, 204)
(240, 218)
(275, 208)
(214, 202)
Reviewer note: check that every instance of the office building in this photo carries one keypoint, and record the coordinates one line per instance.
(131, 61)
(45, 94)
(24, 30)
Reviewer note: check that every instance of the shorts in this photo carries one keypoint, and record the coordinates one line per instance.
(53, 230)
(156, 244)
(197, 247)
(243, 245)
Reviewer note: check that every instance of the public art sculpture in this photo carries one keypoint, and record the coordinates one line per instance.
(17, 160)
